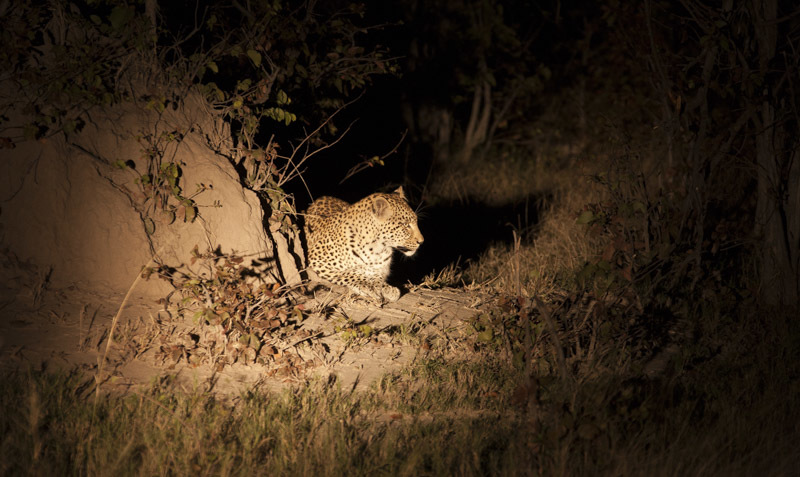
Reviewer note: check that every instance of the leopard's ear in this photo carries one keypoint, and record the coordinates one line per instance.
(381, 208)
(399, 191)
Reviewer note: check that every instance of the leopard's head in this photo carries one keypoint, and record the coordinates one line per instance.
(397, 223)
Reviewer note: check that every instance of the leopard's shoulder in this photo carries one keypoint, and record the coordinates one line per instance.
(321, 209)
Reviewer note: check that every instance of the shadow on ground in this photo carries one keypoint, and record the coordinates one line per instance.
(459, 232)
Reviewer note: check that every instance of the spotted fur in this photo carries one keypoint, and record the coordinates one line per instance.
(351, 245)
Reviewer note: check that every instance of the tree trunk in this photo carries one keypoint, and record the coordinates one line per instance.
(778, 206)
(777, 213)
(478, 121)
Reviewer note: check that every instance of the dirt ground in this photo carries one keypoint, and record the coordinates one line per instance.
(356, 342)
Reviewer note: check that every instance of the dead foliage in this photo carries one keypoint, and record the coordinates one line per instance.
(235, 317)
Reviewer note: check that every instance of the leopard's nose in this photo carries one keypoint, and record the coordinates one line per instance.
(418, 236)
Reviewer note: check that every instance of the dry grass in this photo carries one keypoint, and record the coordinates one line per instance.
(506, 177)
(547, 253)
(734, 414)
(547, 256)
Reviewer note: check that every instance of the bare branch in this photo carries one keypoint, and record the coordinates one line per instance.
(372, 161)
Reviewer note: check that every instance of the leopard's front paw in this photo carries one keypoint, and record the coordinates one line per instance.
(390, 293)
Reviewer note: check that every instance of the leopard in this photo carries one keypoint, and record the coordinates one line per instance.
(351, 245)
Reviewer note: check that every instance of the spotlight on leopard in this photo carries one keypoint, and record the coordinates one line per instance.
(351, 244)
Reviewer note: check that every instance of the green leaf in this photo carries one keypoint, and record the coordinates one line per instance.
(168, 216)
(585, 217)
(297, 314)
(486, 335)
(198, 316)
(544, 72)
(70, 126)
(244, 84)
(191, 214)
(149, 226)
(30, 132)
(95, 19)
(255, 57)
(212, 66)
(254, 342)
(158, 105)
(120, 16)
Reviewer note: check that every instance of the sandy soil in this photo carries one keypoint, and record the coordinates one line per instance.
(68, 329)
